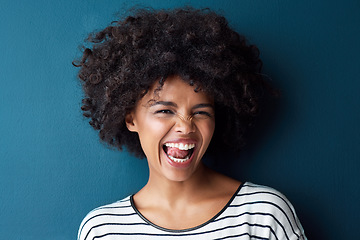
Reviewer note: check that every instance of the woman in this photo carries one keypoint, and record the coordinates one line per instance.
(157, 83)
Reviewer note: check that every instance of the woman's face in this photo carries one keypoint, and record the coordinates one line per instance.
(175, 127)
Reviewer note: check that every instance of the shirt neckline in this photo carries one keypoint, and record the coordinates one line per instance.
(187, 229)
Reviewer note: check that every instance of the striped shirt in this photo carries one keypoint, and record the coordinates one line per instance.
(254, 212)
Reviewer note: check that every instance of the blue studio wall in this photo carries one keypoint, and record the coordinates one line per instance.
(53, 170)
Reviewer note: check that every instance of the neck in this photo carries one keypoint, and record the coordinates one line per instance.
(168, 192)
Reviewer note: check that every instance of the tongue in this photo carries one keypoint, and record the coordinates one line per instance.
(177, 153)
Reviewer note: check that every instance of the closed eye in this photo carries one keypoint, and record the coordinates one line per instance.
(202, 114)
(164, 111)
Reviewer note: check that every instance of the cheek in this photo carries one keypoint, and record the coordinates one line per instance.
(151, 134)
(207, 130)
(211, 129)
(159, 127)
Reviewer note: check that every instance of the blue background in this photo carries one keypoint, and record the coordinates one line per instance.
(53, 170)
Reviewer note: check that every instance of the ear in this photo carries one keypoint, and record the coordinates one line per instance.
(130, 124)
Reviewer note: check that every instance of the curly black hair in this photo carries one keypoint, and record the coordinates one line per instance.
(126, 58)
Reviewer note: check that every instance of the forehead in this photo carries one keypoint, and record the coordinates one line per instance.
(176, 89)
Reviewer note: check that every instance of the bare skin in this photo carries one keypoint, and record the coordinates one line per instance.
(186, 205)
(179, 194)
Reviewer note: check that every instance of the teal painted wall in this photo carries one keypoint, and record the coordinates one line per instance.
(53, 169)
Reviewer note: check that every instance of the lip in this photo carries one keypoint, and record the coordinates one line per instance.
(184, 141)
(180, 164)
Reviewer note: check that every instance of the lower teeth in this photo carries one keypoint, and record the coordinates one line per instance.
(179, 160)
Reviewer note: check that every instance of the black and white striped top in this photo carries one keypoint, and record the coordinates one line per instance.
(254, 212)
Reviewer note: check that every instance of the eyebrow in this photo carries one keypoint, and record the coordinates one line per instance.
(203, 105)
(172, 104)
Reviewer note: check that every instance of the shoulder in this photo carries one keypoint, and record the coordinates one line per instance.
(102, 218)
(266, 207)
(258, 195)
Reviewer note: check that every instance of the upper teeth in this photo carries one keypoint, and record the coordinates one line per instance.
(181, 146)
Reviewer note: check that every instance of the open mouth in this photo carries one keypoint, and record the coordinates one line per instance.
(179, 152)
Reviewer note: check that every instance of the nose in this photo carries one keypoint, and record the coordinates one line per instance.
(184, 125)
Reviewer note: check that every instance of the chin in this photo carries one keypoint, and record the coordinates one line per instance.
(178, 177)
